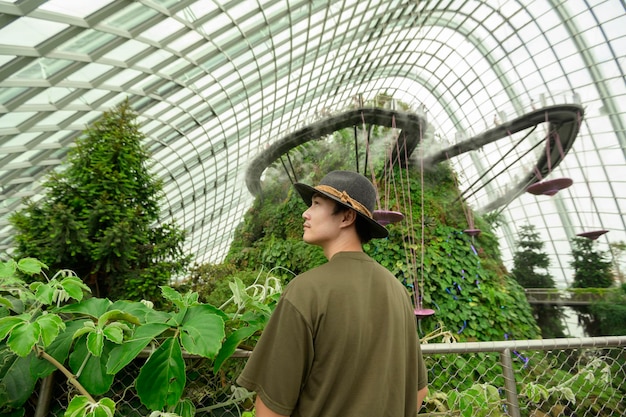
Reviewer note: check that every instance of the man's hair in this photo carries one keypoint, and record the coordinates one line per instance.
(362, 227)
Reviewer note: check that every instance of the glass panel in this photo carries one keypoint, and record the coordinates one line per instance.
(8, 94)
(154, 59)
(122, 78)
(50, 96)
(185, 41)
(30, 32)
(126, 51)
(162, 30)
(56, 118)
(89, 72)
(198, 10)
(75, 8)
(15, 119)
(42, 69)
(87, 42)
(130, 16)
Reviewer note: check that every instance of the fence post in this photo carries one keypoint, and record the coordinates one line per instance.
(509, 383)
(45, 396)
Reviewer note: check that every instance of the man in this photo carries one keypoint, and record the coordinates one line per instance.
(342, 341)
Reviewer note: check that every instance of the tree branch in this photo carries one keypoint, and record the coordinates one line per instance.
(70, 377)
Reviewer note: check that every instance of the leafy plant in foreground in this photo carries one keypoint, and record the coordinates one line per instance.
(52, 325)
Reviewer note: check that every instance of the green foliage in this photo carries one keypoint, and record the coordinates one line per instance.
(530, 266)
(611, 313)
(99, 216)
(462, 277)
(557, 392)
(50, 324)
(591, 384)
(591, 267)
(530, 263)
(480, 400)
(254, 306)
(591, 270)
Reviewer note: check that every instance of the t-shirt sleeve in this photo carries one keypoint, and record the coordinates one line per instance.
(281, 360)
(422, 373)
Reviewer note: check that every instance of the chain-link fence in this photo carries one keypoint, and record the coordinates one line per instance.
(580, 377)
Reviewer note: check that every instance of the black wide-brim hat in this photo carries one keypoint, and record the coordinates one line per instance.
(350, 189)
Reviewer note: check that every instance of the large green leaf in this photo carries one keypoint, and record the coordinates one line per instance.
(30, 266)
(13, 303)
(8, 323)
(43, 292)
(94, 307)
(202, 331)
(16, 381)
(117, 315)
(59, 350)
(208, 308)
(8, 268)
(122, 355)
(231, 343)
(74, 287)
(93, 375)
(115, 332)
(144, 313)
(172, 295)
(185, 408)
(50, 325)
(95, 342)
(23, 337)
(162, 378)
(80, 406)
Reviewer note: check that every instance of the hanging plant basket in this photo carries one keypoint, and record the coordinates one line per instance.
(593, 235)
(549, 187)
(423, 312)
(385, 217)
(472, 232)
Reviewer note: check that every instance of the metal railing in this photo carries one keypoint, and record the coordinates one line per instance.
(569, 297)
(540, 364)
(519, 378)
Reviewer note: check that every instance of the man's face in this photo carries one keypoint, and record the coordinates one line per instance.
(320, 224)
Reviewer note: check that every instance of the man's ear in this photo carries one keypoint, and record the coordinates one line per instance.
(349, 217)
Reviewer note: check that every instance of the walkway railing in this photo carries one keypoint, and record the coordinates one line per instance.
(570, 297)
(549, 377)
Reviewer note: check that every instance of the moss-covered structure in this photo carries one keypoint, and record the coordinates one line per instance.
(463, 278)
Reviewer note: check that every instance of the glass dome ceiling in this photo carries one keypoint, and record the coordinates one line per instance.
(216, 83)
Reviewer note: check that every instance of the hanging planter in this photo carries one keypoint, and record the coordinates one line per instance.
(549, 187)
(385, 217)
(593, 235)
(472, 232)
(423, 312)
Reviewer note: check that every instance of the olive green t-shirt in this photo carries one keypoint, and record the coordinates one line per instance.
(342, 342)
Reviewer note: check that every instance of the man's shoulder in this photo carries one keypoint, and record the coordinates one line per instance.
(311, 274)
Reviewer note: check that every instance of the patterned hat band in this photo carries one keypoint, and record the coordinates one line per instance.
(345, 197)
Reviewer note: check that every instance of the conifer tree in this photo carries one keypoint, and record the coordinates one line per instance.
(592, 269)
(530, 269)
(99, 215)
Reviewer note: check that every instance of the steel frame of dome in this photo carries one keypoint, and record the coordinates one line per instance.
(214, 83)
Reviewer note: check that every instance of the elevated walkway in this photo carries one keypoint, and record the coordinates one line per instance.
(573, 297)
